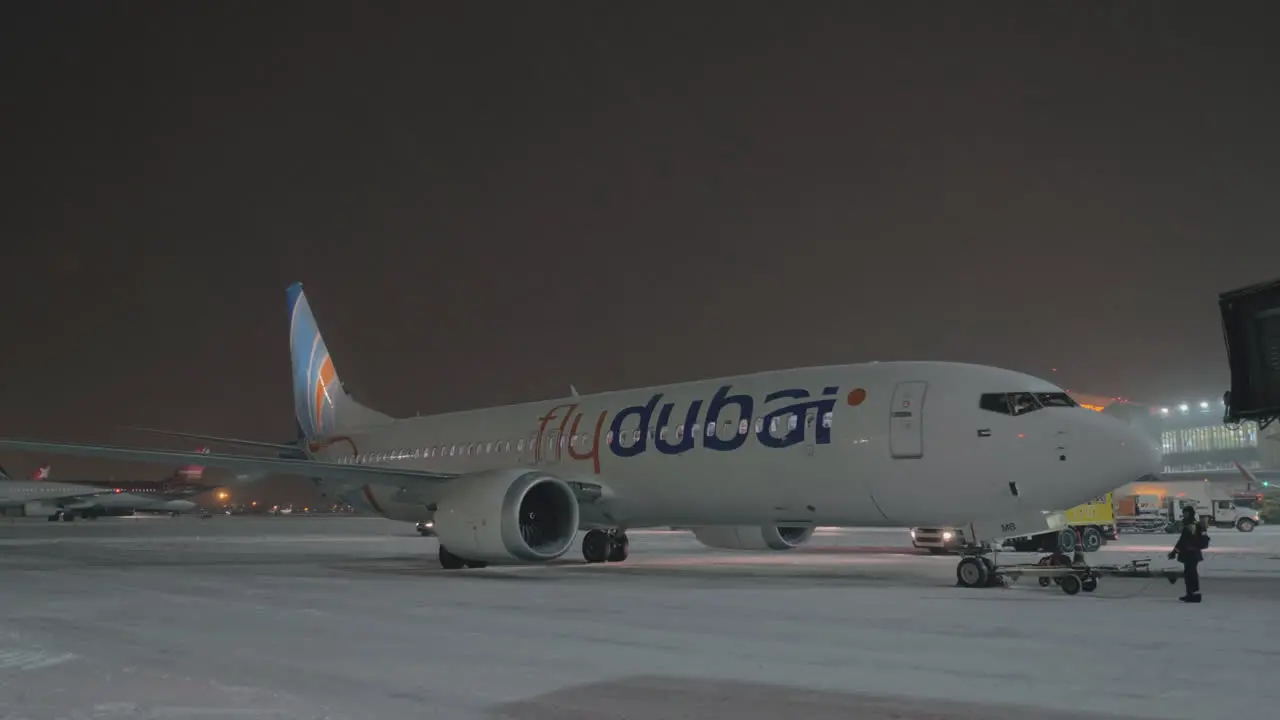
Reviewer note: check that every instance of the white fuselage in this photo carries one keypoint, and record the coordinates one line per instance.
(889, 444)
(40, 497)
(51, 494)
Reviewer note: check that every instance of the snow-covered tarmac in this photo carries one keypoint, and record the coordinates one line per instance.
(351, 618)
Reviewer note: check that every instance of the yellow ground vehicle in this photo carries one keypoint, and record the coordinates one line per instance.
(1093, 524)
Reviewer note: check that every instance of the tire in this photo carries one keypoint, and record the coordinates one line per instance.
(1091, 539)
(972, 572)
(1089, 584)
(595, 546)
(1067, 541)
(1245, 525)
(1070, 584)
(449, 561)
(619, 549)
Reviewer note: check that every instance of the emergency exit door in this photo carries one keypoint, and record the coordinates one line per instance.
(906, 421)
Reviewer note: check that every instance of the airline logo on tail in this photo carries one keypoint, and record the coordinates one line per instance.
(315, 382)
(193, 473)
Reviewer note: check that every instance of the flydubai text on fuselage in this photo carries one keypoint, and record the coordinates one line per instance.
(744, 460)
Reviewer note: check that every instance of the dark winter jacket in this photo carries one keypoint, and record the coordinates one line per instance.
(1188, 545)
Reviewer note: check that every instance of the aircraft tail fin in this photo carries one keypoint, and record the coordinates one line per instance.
(192, 473)
(321, 404)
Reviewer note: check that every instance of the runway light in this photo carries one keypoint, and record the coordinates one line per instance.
(1204, 405)
(1182, 407)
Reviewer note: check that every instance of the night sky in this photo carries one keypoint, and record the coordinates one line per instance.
(490, 201)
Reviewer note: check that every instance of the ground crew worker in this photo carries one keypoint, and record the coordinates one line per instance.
(1187, 551)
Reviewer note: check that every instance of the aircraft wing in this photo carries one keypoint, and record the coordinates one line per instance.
(362, 474)
(285, 447)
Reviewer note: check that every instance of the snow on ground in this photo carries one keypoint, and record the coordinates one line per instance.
(351, 618)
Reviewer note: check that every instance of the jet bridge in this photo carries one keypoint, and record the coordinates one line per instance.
(1251, 330)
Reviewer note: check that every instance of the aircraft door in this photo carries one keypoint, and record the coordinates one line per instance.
(810, 431)
(906, 421)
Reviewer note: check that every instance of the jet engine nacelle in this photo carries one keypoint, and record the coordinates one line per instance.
(507, 517)
(751, 537)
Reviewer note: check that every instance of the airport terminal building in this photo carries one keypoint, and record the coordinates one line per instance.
(1192, 436)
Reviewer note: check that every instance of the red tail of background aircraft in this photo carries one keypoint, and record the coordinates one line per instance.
(186, 473)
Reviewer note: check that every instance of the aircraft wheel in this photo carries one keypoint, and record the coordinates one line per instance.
(449, 561)
(972, 572)
(1070, 584)
(596, 546)
(619, 548)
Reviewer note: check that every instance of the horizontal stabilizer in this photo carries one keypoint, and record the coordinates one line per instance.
(362, 474)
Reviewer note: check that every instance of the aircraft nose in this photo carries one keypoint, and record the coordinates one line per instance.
(1134, 454)
(1148, 461)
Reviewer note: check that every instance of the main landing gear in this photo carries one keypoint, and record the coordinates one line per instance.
(597, 546)
(605, 546)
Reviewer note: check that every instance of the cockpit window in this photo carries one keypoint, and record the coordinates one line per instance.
(1057, 399)
(1021, 403)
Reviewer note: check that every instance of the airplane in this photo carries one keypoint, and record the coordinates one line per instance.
(751, 462)
(55, 500)
(173, 495)
(93, 498)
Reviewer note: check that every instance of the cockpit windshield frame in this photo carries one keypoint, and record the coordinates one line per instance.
(1023, 402)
